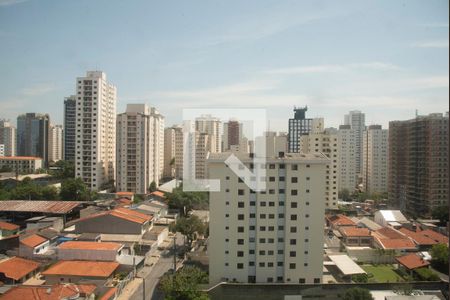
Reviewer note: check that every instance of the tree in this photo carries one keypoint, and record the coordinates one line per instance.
(441, 214)
(63, 169)
(360, 278)
(74, 189)
(427, 274)
(183, 285)
(439, 254)
(190, 227)
(49, 193)
(187, 201)
(357, 293)
(152, 188)
(344, 194)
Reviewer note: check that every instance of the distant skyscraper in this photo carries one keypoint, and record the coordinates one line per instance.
(418, 164)
(70, 116)
(375, 159)
(95, 158)
(211, 126)
(8, 137)
(33, 135)
(232, 134)
(140, 148)
(357, 120)
(55, 143)
(173, 152)
(348, 172)
(298, 126)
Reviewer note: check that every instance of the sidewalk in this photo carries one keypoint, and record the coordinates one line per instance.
(130, 289)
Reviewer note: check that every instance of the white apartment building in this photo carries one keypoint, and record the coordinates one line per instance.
(357, 120)
(173, 152)
(212, 126)
(22, 164)
(95, 156)
(55, 143)
(204, 145)
(8, 135)
(375, 162)
(140, 148)
(325, 141)
(271, 236)
(348, 172)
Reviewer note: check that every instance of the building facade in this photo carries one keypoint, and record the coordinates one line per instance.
(357, 121)
(55, 143)
(418, 164)
(213, 127)
(173, 152)
(348, 170)
(95, 157)
(2, 150)
(140, 148)
(33, 135)
(274, 235)
(298, 126)
(21, 164)
(70, 117)
(375, 159)
(8, 137)
(232, 135)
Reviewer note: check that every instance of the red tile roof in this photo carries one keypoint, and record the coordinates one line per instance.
(52, 207)
(390, 233)
(85, 245)
(412, 261)
(8, 226)
(33, 240)
(17, 268)
(440, 238)
(124, 194)
(158, 194)
(123, 213)
(82, 268)
(341, 220)
(397, 244)
(109, 294)
(354, 231)
(418, 237)
(20, 158)
(55, 292)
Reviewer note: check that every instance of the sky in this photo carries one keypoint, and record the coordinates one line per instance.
(385, 58)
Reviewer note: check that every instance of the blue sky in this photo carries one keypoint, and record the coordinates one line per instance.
(386, 58)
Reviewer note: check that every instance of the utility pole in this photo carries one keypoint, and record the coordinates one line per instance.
(143, 287)
(175, 253)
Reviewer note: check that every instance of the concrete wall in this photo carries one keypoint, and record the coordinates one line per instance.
(56, 279)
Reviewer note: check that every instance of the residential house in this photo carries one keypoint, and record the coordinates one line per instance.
(8, 229)
(158, 195)
(422, 241)
(155, 208)
(393, 218)
(411, 262)
(33, 245)
(356, 237)
(17, 270)
(51, 292)
(388, 238)
(336, 221)
(84, 250)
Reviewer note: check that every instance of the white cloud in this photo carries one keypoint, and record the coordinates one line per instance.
(333, 68)
(38, 89)
(432, 44)
(10, 2)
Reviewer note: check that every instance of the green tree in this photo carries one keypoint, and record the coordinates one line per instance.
(344, 194)
(63, 169)
(441, 214)
(427, 274)
(183, 285)
(152, 188)
(439, 254)
(357, 293)
(74, 189)
(187, 201)
(190, 227)
(49, 193)
(360, 278)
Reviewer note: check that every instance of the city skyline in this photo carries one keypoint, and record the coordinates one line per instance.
(386, 55)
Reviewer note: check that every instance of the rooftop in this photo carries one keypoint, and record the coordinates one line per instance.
(122, 213)
(86, 245)
(8, 226)
(16, 267)
(412, 261)
(158, 194)
(20, 158)
(440, 238)
(393, 216)
(346, 265)
(355, 231)
(82, 268)
(340, 220)
(37, 206)
(417, 237)
(55, 292)
(33, 240)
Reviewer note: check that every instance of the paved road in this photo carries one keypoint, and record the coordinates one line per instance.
(151, 279)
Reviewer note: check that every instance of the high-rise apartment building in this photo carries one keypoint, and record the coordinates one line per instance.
(95, 156)
(418, 164)
(70, 116)
(375, 159)
(357, 121)
(211, 126)
(348, 172)
(173, 152)
(8, 137)
(232, 134)
(2, 150)
(271, 236)
(140, 148)
(55, 143)
(325, 141)
(33, 136)
(298, 126)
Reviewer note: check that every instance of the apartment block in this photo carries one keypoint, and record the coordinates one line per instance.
(213, 127)
(33, 135)
(70, 117)
(95, 157)
(140, 148)
(55, 143)
(325, 141)
(21, 164)
(8, 137)
(348, 167)
(357, 121)
(232, 135)
(274, 235)
(173, 152)
(298, 126)
(375, 159)
(418, 164)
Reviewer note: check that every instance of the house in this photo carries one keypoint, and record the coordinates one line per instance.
(411, 262)
(155, 208)
(84, 250)
(33, 245)
(356, 237)
(8, 229)
(158, 234)
(42, 222)
(336, 221)
(116, 221)
(158, 195)
(129, 195)
(388, 238)
(393, 218)
(436, 236)
(17, 270)
(51, 292)
(76, 271)
(422, 241)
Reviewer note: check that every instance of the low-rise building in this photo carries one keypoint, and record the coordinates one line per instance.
(354, 236)
(411, 262)
(83, 250)
(21, 164)
(8, 229)
(336, 221)
(390, 239)
(393, 218)
(51, 292)
(33, 245)
(17, 270)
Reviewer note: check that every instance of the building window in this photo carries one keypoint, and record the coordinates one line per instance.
(240, 265)
(293, 229)
(294, 180)
(293, 242)
(240, 253)
(292, 254)
(241, 204)
(292, 266)
(240, 192)
(241, 217)
(293, 204)
(293, 217)
(240, 241)
(294, 167)
(240, 229)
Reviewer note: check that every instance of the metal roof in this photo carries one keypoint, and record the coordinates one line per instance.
(53, 207)
(346, 265)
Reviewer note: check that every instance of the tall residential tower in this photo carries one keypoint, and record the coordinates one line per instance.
(298, 126)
